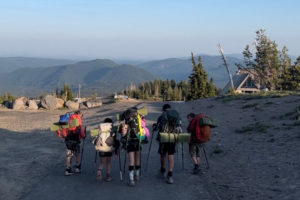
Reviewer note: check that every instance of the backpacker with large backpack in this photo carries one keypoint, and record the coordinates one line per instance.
(169, 127)
(69, 124)
(200, 128)
(104, 138)
(137, 124)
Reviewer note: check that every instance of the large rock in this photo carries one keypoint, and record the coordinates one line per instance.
(32, 105)
(72, 105)
(49, 102)
(92, 104)
(19, 103)
(60, 103)
(82, 106)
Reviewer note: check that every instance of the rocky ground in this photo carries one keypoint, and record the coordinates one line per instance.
(253, 154)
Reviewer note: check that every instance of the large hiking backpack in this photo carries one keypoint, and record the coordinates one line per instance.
(200, 128)
(136, 123)
(171, 122)
(104, 141)
(70, 127)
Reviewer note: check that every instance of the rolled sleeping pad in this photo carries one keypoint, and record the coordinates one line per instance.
(57, 126)
(208, 121)
(174, 137)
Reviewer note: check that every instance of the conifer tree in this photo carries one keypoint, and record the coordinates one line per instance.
(66, 93)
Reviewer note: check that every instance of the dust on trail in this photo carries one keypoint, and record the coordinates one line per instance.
(246, 165)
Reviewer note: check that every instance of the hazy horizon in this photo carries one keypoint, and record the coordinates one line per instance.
(143, 30)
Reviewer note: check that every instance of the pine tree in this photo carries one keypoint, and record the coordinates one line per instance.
(66, 93)
(198, 80)
(285, 70)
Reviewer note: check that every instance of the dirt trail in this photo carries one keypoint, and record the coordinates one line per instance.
(253, 154)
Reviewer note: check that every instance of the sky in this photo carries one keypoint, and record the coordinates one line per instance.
(140, 29)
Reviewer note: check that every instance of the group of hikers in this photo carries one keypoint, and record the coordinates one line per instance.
(129, 135)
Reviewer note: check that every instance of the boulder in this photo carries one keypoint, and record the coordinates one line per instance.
(2, 106)
(92, 104)
(72, 105)
(19, 103)
(82, 106)
(60, 103)
(49, 102)
(32, 105)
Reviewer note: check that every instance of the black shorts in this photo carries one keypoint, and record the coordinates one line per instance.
(165, 148)
(133, 146)
(73, 145)
(105, 154)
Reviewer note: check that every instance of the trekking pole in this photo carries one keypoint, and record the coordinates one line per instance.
(149, 150)
(82, 146)
(121, 174)
(182, 155)
(205, 157)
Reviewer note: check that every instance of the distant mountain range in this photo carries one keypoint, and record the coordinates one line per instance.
(9, 64)
(32, 76)
(97, 76)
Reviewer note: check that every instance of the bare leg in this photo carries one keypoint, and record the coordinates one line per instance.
(108, 165)
(138, 158)
(163, 161)
(171, 162)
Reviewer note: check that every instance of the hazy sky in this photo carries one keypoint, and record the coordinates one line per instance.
(138, 29)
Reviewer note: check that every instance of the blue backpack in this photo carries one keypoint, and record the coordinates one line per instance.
(64, 119)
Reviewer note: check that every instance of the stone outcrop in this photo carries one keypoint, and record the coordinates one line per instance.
(49, 102)
(19, 103)
(32, 105)
(72, 105)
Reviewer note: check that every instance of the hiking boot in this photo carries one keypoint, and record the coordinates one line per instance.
(99, 175)
(108, 178)
(170, 180)
(68, 171)
(137, 175)
(196, 169)
(78, 169)
(131, 178)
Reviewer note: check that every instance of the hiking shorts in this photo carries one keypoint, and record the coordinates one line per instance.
(133, 146)
(105, 154)
(73, 147)
(165, 148)
(195, 149)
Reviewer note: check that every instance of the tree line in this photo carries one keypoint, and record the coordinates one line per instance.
(197, 87)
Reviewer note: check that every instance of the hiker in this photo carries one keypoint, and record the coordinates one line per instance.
(132, 141)
(194, 145)
(72, 141)
(166, 148)
(107, 149)
(199, 127)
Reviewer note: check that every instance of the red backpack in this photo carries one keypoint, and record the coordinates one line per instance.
(200, 132)
(74, 130)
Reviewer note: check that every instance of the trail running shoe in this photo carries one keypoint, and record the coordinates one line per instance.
(69, 171)
(78, 169)
(108, 178)
(170, 180)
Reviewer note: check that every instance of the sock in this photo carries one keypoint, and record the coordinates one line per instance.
(162, 169)
(130, 168)
(196, 166)
(137, 167)
(170, 173)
